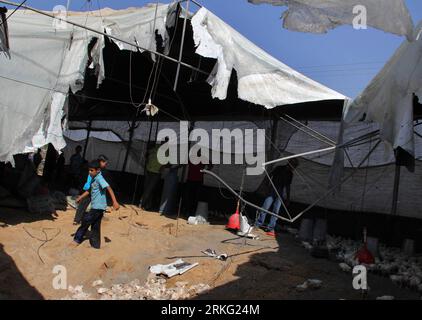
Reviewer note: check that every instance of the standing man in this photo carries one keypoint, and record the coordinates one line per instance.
(193, 188)
(76, 161)
(282, 178)
(152, 178)
(168, 203)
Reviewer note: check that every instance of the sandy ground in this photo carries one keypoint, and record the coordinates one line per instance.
(133, 240)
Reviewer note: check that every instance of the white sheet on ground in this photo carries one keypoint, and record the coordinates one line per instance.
(319, 16)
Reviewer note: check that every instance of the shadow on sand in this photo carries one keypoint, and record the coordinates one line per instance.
(14, 286)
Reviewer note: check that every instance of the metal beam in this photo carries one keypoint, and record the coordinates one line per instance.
(396, 190)
(88, 133)
(182, 44)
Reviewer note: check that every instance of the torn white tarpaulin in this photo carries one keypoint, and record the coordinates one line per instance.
(388, 100)
(50, 58)
(262, 79)
(319, 16)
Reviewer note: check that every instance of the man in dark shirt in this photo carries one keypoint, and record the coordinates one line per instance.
(282, 178)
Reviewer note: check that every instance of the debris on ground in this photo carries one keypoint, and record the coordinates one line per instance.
(197, 220)
(172, 269)
(154, 289)
(309, 284)
(345, 267)
(385, 298)
(212, 253)
(97, 283)
(307, 245)
(77, 293)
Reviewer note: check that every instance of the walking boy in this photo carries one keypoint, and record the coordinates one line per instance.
(93, 218)
(83, 205)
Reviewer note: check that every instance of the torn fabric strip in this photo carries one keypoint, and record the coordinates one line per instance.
(319, 16)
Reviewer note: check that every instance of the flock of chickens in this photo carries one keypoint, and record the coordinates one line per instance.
(403, 269)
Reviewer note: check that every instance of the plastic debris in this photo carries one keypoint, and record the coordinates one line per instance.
(97, 283)
(309, 284)
(212, 253)
(345, 267)
(385, 298)
(172, 269)
(102, 290)
(197, 220)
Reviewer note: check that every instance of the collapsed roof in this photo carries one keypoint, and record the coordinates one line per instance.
(49, 59)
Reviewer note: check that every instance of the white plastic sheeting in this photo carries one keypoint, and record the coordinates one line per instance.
(80, 135)
(319, 16)
(388, 99)
(48, 59)
(262, 79)
(369, 190)
(115, 152)
(249, 138)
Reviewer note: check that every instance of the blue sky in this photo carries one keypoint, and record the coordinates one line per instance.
(344, 59)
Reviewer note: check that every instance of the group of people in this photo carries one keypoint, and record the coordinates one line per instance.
(97, 185)
(173, 174)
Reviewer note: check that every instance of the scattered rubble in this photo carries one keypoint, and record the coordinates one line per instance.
(310, 284)
(97, 283)
(345, 267)
(102, 290)
(154, 289)
(78, 293)
(307, 245)
(385, 298)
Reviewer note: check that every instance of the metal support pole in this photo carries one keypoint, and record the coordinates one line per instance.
(182, 43)
(183, 183)
(87, 138)
(274, 132)
(129, 144)
(299, 155)
(396, 190)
